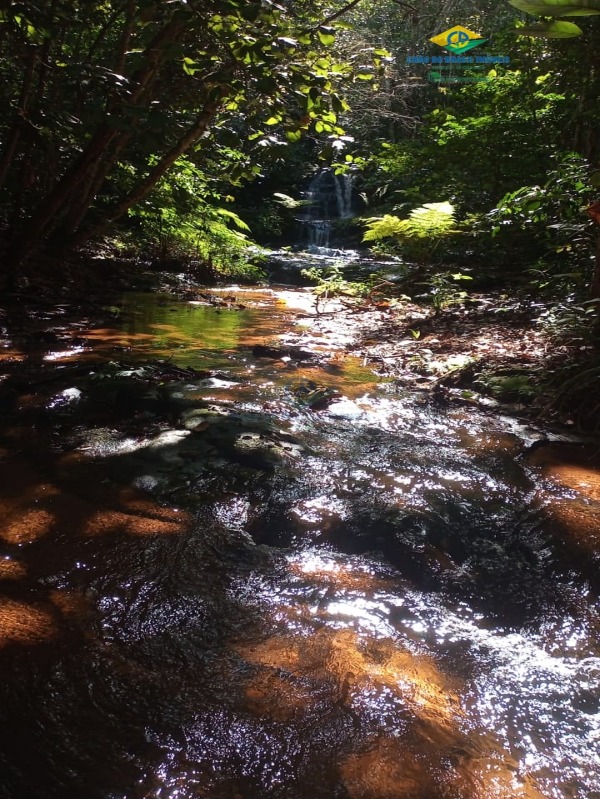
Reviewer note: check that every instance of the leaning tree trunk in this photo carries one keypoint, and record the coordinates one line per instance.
(145, 186)
(15, 133)
(69, 186)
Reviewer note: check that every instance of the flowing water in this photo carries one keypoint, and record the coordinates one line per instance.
(329, 197)
(214, 586)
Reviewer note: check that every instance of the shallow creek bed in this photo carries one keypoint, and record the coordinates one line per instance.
(236, 563)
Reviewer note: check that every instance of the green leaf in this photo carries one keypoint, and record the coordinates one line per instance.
(551, 30)
(558, 8)
(326, 36)
(338, 106)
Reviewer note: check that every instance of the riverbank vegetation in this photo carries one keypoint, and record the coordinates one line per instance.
(168, 133)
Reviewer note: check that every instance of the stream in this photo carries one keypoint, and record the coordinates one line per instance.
(282, 575)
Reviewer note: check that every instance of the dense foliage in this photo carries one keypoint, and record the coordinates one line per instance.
(179, 123)
(104, 102)
(515, 151)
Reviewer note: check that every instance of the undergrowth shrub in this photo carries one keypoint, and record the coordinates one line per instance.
(417, 236)
(184, 219)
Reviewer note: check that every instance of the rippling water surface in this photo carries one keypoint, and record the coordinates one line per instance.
(218, 591)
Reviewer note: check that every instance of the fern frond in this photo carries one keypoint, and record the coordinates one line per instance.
(431, 220)
(239, 223)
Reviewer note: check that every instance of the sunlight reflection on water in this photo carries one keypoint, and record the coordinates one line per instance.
(518, 691)
(429, 646)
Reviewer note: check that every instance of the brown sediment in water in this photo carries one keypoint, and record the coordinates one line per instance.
(82, 504)
(434, 763)
(23, 623)
(384, 769)
(573, 467)
(11, 356)
(279, 695)
(578, 470)
(383, 711)
(426, 754)
(496, 776)
(580, 522)
(11, 569)
(353, 663)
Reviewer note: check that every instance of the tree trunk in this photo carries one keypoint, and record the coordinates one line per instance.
(156, 173)
(16, 130)
(24, 243)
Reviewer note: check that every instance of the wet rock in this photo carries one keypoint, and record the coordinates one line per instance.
(314, 396)
(277, 353)
(196, 418)
(345, 409)
(216, 445)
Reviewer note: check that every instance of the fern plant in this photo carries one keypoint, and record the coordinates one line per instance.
(419, 234)
(184, 219)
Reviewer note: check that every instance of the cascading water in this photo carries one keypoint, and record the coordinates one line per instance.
(330, 197)
(343, 194)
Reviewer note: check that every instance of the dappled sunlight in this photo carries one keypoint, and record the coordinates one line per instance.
(105, 509)
(106, 522)
(485, 776)
(11, 355)
(356, 595)
(79, 503)
(117, 338)
(21, 623)
(26, 526)
(26, 502)
(572, 496)
(385, 769)
(11, 569)
(577, 468)
(391, 768)
(356, 664)
(579, 522)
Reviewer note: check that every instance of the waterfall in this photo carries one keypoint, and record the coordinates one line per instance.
(329, 197)
(318, 232)
(343, 193)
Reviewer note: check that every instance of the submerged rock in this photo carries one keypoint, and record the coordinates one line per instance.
(278, 353)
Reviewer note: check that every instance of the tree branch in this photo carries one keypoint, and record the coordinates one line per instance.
(349, 6)
(340, 12)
